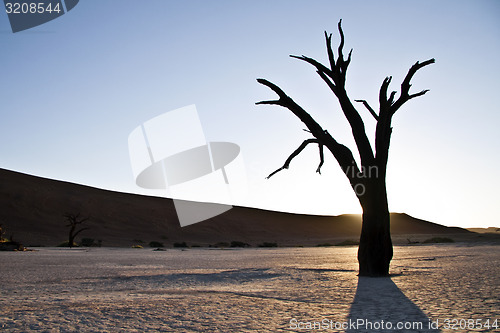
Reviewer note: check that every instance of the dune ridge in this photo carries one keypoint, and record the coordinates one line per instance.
(33, 207)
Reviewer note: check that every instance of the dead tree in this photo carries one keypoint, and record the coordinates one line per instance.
(367, 178)
(74, 220)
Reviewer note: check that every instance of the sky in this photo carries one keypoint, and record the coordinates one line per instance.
(73, 89)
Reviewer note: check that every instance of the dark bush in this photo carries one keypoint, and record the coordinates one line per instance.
(11, 246)
(183, 244)
(268, 244)
(438, 240)
(87, 242)
(239, 244)
(220, 244)
(155, 244)
(324, 245)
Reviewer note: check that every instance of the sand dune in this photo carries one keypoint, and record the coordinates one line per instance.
(33, 208)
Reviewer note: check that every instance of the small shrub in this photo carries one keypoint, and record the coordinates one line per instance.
(268, 244)
(183, 244)
(195, 245)
(11, 246)
(324, 245)
(348, 242)
(87, 242)
(136, 246)
(438, 240)
(156, 244)
(220, 244)
(239, 244)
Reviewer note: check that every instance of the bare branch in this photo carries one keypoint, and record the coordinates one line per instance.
(321, 158)
(319, 66)
(74, 219)
(405, 86)
(329, 50)
(269, 103)
(293, 155)
(71, 216)
(337, 68)
(82, 229)
(329, 82)
(341, 45)
(418, 94)
(365, 103)
(348, 61)
(296, 109)
(276, 89)
(391, 98)
(382, 97)
(335, 79)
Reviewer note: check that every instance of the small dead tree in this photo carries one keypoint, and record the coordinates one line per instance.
(74, 220)
(367, 179)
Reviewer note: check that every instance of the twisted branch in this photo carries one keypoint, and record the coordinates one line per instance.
(405, 86)
(297, 152)
(321, 158)
(335, 78)
(285, 101)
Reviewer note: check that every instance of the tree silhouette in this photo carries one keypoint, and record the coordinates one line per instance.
(74, 220)
(368, 178)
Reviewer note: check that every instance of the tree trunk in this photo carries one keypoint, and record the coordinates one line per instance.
(375, 246)
(71, 236)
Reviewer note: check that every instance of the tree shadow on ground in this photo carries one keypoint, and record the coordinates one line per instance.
(379, 306)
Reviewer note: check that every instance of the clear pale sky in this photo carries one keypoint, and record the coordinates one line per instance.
(73, 89)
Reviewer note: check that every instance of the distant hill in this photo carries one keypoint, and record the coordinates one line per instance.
(32, 210)
(490, 230)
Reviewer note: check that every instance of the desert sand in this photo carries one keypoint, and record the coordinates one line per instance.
(248, 290)
(116, 288)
